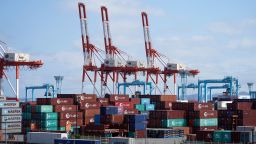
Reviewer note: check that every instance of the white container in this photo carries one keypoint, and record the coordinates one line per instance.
(44, 137)
(246, 128)
(2, 98)
(222, 105)
(113, 63)
(10, 111)
(122, 140)
(173, 66)
(10, 118)
(18, 57)
(8, 104)
(11, 131)
(14, 125)
(134, 64)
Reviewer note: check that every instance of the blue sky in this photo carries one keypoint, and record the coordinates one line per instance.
(217, 37)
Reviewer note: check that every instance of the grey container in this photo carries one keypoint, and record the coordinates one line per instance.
(14, 118)
(10, 111)
(9, 104)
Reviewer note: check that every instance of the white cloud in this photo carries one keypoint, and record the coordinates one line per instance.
(224, 28)
(244, 43)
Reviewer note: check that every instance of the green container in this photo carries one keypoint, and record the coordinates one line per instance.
(140, 107)
(131, 134)
(50, 128)
(174, 123)
(26, 116)
(46, 116)
(222, 136)
(28, 109)
(150, 107)
(48, 123)
(44, 108)
(206, 122)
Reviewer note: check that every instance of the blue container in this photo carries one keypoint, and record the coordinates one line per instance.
(150, 107)
(76, 141)
(109, 110)
(135, 118)
(97, 119)
(137, 126)
(145, 101)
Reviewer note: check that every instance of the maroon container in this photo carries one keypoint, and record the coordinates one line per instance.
(204, 135)
(167, 105)
(235, 135)
(70, 115)
(240, 106)
(55, 101)
(195, 106)
(158, 98)
(186, 130)
(89, 105)
(119, 98)
(65, 108)
(202, 114)
(103, 101)
(73, 122)
(204, 128)
(130, 111)
(91, 112)
(172, 114)
(78, 98)
(127, 105)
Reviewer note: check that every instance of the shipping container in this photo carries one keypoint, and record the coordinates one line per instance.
(73, 122)
(70, 115)
(140, 107)
(13, 125)
(149, 107)
(17, 118)
(13, 138)
(55, 101)
(202, 114)
(222, 136)
(42, 108)
(79, 98)
(130, 111)
(91, 112)
(111, 119)
(10, 111)
(44, 137)
(103, 101)
(145, 101)
(174, 123)
(47, 123)
(10, 131)
(9, 104)
(89, 105)
(205, 122)
(76, 141)
(135, 118)
(205, 135)
(108, 110)
(45, 116)
(65, 108)
(119, 98)
(137, 126)
(127, 105)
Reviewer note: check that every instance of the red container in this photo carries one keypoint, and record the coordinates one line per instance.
(55, 101)
(103, 101)
(173, 114)
(130, 111)
(65, 108)
(127, 105)
(109, 119)
(158, 98)
(195, 106)
(91, 112)
(78, 98)
(73, 122)
(179, 106)
(89, 105)
(70, 115)
(135, 100)
(140, 134)
(154, 123)
(202, 114)
(119, 98)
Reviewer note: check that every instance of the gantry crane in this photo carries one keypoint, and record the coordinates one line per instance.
(115, 64)
(170, 69)
(90, 52)
(10, 59)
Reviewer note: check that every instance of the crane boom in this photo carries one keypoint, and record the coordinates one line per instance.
(87, 50)
(148, 44)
